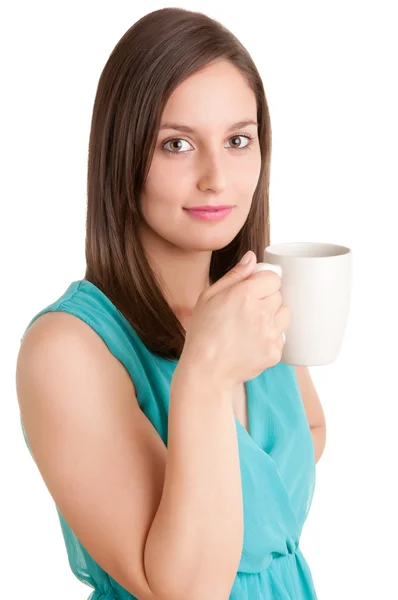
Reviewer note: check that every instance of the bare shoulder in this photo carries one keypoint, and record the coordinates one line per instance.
(100, 457)
(64, 329)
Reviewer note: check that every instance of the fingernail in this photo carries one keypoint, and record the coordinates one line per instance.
(245, 258)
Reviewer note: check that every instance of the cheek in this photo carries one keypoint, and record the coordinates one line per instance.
(246, 177)
(162, 200)
(168, 180)
(255, 175)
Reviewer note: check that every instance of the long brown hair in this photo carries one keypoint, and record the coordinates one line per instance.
(152, 58)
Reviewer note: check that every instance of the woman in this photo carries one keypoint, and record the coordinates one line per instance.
(172, 439)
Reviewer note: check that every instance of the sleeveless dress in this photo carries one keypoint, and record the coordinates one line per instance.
(277, 460)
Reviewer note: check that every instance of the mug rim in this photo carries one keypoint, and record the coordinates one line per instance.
(332, 250)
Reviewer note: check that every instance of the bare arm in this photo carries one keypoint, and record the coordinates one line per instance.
(194, 546)
(319, 440)
(165, 523)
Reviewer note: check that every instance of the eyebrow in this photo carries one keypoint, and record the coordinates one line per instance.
(187, 129)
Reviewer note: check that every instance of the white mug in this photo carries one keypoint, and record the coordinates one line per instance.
(316, 287)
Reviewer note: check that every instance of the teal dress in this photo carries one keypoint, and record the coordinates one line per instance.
(277, 460)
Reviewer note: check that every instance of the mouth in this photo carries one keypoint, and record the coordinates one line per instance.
(209, 215)
(209, 207)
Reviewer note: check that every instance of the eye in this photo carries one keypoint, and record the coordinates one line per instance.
(240, 147)
(176, 143)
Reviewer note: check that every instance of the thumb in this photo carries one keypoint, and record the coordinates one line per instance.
(240, 271)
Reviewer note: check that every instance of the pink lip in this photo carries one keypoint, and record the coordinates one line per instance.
(209, 215)
(210, 207)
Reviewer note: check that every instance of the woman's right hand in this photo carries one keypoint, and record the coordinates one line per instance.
(237, 324)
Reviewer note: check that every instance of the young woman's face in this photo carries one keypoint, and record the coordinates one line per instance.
(215, 164)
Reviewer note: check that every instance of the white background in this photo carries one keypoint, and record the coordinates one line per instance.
(330, 76)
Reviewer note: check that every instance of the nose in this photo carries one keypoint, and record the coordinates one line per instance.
(212, 174)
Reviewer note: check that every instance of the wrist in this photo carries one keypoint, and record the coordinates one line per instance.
(198, 372)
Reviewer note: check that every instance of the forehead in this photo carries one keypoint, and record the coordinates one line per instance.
(214, 97)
